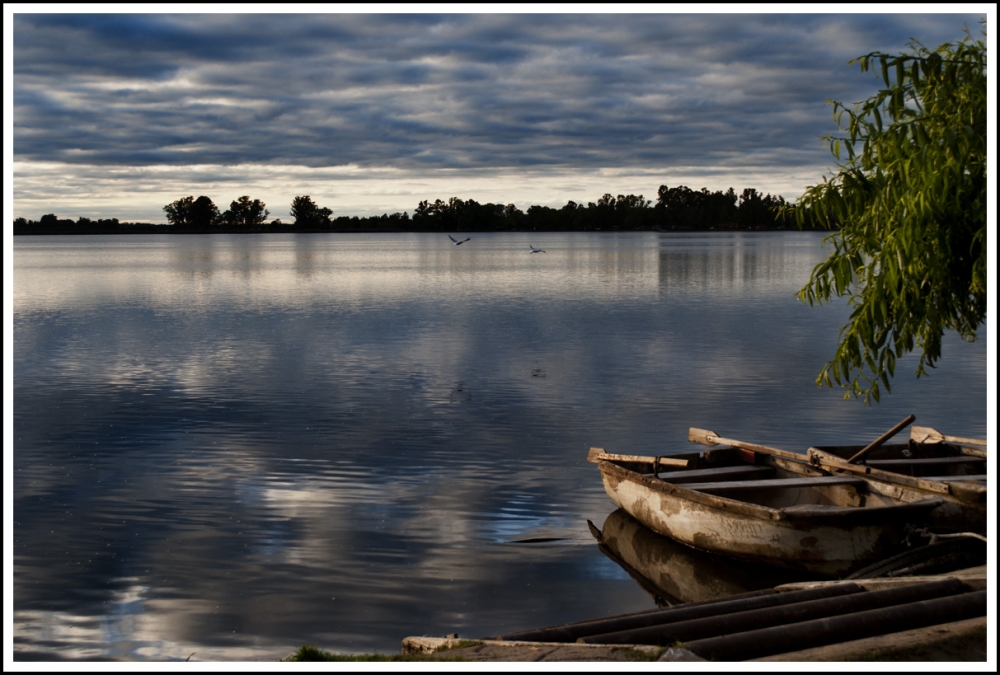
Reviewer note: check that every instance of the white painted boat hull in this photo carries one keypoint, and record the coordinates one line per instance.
(823, 539)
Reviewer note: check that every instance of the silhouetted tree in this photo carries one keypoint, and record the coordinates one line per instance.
(190, 214)
(245, 214)
(308, 215)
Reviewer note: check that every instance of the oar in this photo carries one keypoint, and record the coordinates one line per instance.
(598, 455)
(881, 439)
(706, 437)
(928, 435)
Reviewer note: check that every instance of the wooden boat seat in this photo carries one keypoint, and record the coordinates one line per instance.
(719, 473)
(811, 481)
(923, 462)
(970, 477)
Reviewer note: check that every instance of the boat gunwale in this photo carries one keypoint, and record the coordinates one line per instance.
(842, 515)
(943, 449)
(823, 459)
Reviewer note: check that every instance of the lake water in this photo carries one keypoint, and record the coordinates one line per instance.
(228, 446)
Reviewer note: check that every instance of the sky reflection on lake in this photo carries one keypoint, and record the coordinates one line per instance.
(235, 445)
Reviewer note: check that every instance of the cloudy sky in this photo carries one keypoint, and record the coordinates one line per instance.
(115, 115)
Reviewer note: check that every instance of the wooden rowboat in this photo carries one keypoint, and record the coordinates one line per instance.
(769, 507)
(953, 471)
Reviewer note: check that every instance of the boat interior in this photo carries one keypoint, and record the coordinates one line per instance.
(933, 461)
(762, 479)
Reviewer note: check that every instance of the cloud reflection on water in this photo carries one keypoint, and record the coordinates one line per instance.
(276, 440)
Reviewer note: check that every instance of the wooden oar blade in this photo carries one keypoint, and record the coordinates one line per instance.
(593, 454)
(702, 436)
(925, 435)
(599, 455)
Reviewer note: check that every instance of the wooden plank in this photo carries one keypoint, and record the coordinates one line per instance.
(838, 465)
(817, 481)
(719, 473)
(978, 452)
(705, 437)
(924, 461)
(971, 492)
(641, 459)
(844, 451)
(977, 477)
(598, 455)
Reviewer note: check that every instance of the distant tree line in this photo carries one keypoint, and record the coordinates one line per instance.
(678, 208)
(50, 224)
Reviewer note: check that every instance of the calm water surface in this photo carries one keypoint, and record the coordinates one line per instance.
(230, 446)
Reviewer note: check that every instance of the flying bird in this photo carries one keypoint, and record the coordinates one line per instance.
(535, 250)
(457, 242)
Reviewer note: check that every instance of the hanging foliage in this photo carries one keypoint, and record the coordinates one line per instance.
(909, 205)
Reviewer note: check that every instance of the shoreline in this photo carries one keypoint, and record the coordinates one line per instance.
(958, 639)
(962, 641)
(154, 229)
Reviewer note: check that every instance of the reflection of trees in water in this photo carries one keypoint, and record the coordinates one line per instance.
(247, 257)
(194, 257)
(305, 256)
(730, 265)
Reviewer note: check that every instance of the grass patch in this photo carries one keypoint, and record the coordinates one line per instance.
(310, 653)
(630, 654)
(461, 644)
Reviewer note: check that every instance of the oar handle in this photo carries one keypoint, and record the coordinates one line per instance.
(959, 440)
(881, 439)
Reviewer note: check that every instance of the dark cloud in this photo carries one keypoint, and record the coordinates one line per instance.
(426, 92)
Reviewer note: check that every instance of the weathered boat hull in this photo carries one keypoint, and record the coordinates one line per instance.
(817, 537)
